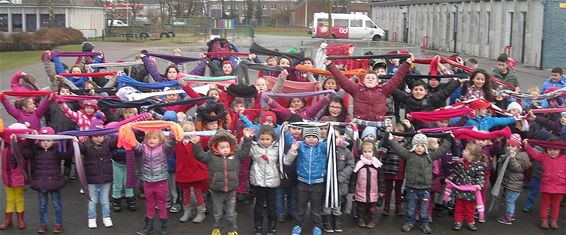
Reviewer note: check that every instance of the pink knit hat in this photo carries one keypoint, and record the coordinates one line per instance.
(515, 140)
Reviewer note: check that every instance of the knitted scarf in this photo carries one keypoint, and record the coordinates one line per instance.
(364, 161)
(292, 86)
(69, 98)
(176, 59)
(259, 50)
(110, 127)
(182, 102)
(226, 53)
(114, 64)
(141, 96)
(125, 80)
(544, 96)
(96, 74)
(469, 188)
(297, 95)
(127, 139)
(496, 188)
(209, 79)
(427, 76)
(96, 90)
(349, 73)
(549, 144)
(117, 103)
(244, 66)
(476, 135)
(387, 56)
(27, 93)
(193, 133)
(551, 110)
(438, 115)
(74, 53)
(444, 129)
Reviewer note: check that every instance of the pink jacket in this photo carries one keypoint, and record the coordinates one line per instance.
(553, 171)
(369, 173)
(11, 177)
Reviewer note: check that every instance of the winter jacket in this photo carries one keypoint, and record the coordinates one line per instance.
(549, 84)
(393, 164)
(369, 183)
(56, 119)
(485, 123)
(515, 172)
(344, 167)
(510, 77)
(97, 160)
(311, 162)
(553, 171)
(467, 173)
(15, 82)
(189, 169)
(33, 118)
(307, 112)
(430, 101)
(418, 168)
(223, 172)
(45, 173)
(11, 172)
(79, 117)
(154, 161)
(369, 103)
(553, 126)
(264, 171)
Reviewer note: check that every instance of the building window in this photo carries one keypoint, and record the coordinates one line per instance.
(59, 20)
(356, 23)
(3, 22)
(17, 24)
(31, 23)
(273, 6)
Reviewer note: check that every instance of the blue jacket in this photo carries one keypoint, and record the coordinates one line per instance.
(78, 81)
(485, 123)
(549, 84)
(311, 162)
(250, 124)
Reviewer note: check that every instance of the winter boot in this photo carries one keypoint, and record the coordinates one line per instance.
(201, 210)
(544, 223)
(371, 221)
(132, 204)
(117, 204)
(188, 212)
(337, 224)
(147, 228)
(42, 229)
(163, 227)
(327, 223)
(7, 221)
(58, 229)
(21, 221)
(554, 223)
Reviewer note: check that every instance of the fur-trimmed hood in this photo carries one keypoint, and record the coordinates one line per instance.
(222, 136)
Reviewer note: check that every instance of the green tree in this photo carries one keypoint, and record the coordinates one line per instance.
(258, 12)
(249, 10)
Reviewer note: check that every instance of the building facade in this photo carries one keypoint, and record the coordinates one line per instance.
(483, 28)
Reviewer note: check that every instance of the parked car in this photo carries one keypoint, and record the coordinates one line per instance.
(116, 23)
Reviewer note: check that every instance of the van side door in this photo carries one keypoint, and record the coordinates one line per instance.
(356, 29)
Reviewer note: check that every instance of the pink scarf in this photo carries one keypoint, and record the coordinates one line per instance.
(364, 161)
(479, 202)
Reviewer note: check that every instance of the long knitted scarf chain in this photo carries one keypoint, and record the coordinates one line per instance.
(127, 80)
(182, 102)
(94, 74)
(114, 64)
(75, 53)
(477, 135)
(386, 56)
(177, 59)
(110, 128)
(69, 98)
(27, 93)
(544, 96)
(438, 115)
(550, 110)
(444, 129)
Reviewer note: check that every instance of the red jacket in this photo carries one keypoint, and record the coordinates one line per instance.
(369, 103)
(189, 169)
(553, 171)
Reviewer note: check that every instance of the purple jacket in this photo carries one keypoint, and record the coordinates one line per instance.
(152, 69)
(45, 172)
(97, 161)
(21, 116)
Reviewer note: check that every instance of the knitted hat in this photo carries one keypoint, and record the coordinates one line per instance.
(369, 130)
(420, 139)
(515, 140)
(228, 62)
(46, 131)
(87, 46)
(170, 116)
(479, 104)
(267, 114)
(92, 103)
(242, 90)
(96, 121)
(514, 105)
(311, 131)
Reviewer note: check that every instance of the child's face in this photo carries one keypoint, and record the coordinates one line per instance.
(330, 84)
(553, 153)
(224, 148)
(433, 82)
(64, 91)
(269, 121)
(172, 98)
(239, 107)
(420, 149)
(367, 152)
(265, 140)
(227, 69)
(261, 85)
(284, 62)
(502, 67)
(212, 126)
(479, 80)
(324, 132)
(467, 155)
(371, 81)
(153, 141)
(483, 143)
(369, 138)
(128, 113)
(311, 140)
(271, 62)
(98, 139)
(181, 116)
(512, 148)
(30, 106)
(296, 103)
(89, 110)
(442, 123)
(46, 144)
(171, 74)
(419, 92)
(556, 77)
(308, 63)
(295, 131)
(380, 71)
(563, 119)
(215, 95)
(89, 86)
(515, 112)
(76, 70)
(335, 109)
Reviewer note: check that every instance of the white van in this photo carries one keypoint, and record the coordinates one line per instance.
(116, 23)
(346, 26)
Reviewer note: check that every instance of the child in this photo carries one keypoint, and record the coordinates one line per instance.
(192, 176)
(553, 185)
(344, 167)
(172, 194)
(436, 186)
(264, 178)
(482, 121)
(119, 172)
(514, 176)
(467, 172)
(154, 150)
(369, 186)
(97, 163)
(311, 171)
(25, 110)
(418, 180)
(394, 173)
(223, 167)
(46, 177)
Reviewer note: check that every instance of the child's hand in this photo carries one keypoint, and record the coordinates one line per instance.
(284, 73)
(248, 132)
(75, 139)
(327, 62)
(13, 137)
(525, 142)
(407, 123)
(410, 59)
(293, 111)
(295, 146)
(477, 187)
(195, 139)
(51, 96)
(252, 56)
(390, 136)
(34, 132)
(531, 116)
(241, 112)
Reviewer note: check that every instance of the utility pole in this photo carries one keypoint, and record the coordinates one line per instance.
(330, 8)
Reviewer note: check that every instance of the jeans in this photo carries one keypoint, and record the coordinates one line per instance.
(289, 192)
(263, 195)
(43, 199)
(98, 194)
(172, 194)
(224, 203)
(155, 196)
(312, 193)
(119, 179)
(414, 198)
(534, 187)
(510, 200)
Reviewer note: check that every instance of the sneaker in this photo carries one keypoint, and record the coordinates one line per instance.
(407, 227)
(316, 231)
(107, 222)
(168, 204)
(527, 210)
(175, 208)
(426, 229)
(505, 220)
(82, 191)
(296, 230)
(472, 227)
(216, 232)
(481, 220)
(92, 223)
(457, 226)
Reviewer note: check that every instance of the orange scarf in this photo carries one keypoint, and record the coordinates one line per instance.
(127, 138)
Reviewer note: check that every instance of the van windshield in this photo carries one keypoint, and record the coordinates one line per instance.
(370, 24)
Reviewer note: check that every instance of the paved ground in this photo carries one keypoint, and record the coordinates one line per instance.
(75, 204)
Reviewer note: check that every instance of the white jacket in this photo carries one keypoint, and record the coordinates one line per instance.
(265, 173)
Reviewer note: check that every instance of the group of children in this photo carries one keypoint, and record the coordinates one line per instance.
(247, 139)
